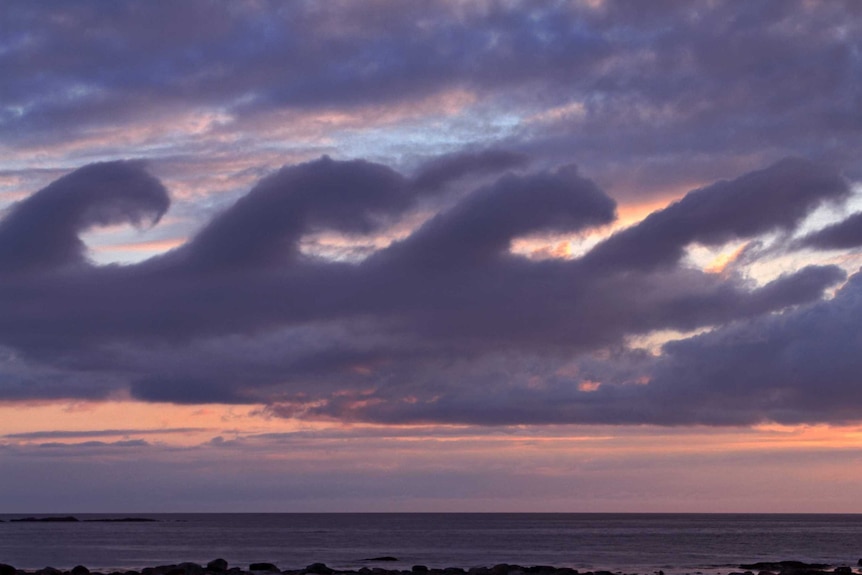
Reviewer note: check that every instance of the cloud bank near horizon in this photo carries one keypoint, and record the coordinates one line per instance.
(443, 323)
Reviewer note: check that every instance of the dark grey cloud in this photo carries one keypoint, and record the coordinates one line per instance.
(772, 199)
(802, 366)
(842, 235)
(42, 231)
(266, 225)
(444, 325)
(436, 174)
(483, 224)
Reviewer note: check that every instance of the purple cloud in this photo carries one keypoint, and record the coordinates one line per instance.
(651, 99)
(842, 235)
(42, 231)
(445, 325)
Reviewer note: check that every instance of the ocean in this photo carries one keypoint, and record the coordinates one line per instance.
(630, 543)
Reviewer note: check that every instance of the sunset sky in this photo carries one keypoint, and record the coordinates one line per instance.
(431, 256)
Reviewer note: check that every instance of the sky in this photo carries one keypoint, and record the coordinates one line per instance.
(588, 256)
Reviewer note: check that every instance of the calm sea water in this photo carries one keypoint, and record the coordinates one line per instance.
(633, 543)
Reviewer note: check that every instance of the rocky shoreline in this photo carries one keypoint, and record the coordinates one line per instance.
(220, 567)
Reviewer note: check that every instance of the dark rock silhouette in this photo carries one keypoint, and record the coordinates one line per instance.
(217, 565)
(220, 567)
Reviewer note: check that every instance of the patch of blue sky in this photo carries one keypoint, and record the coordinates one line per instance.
(406, 143)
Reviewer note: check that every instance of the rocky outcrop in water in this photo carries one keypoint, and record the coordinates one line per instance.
(217, 565)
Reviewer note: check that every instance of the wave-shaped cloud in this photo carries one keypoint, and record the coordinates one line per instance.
(443, 325)
(42, 231)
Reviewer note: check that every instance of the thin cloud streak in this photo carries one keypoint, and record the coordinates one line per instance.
(74, 434)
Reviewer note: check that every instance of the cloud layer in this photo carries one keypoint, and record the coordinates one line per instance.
(654, 99)
(391, 284)
(444, 323)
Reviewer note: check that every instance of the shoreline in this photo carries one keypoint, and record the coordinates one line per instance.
(221, 567)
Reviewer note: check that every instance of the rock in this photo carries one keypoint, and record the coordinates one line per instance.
(6, 569)
(80, 570)
(191, 568)
(219, 565)
(319, 569)
(843, 570)
(414, 569)
(49, 571)
(783, 566)
(263, 567)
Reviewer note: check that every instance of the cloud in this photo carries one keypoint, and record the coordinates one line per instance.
(842, 235)
(443, 326)
(772, 199)
(436, 174)
(667, 98)
(483, 224)
(74, 434)
(42, 231)
(88, 446)
(266, 225)
(796, 367)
